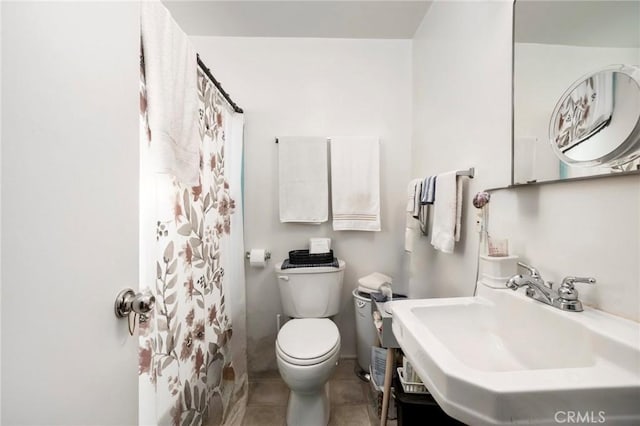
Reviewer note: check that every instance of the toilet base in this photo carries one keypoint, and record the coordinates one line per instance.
(309, 409)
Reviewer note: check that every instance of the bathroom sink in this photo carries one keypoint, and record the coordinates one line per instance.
(502, 358)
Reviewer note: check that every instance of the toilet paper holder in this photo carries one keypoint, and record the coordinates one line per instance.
(267, 255)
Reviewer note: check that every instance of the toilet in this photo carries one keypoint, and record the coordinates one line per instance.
(308, 345)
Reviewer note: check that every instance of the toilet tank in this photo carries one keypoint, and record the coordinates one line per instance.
(310, 292)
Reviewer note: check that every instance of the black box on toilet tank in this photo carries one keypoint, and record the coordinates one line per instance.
(303, 257)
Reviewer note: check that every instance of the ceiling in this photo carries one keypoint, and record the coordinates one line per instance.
(395, 19)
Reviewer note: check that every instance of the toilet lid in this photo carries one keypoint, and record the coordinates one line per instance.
(308, 338)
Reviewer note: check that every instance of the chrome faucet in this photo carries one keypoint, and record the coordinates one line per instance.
(536, 287)
(565, 298)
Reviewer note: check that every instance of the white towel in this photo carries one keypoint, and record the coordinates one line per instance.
(303, 179)
(447, 212)
(355, 184)
(411, 222)
(171, 74)
(411, 232)
(413, 193)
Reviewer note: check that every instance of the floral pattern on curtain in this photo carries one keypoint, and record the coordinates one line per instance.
(185, 343)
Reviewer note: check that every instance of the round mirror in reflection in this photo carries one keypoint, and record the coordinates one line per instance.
(596, 122)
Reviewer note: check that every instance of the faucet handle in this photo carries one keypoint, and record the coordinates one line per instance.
(568, 282)
(567, 290)
(533, 271)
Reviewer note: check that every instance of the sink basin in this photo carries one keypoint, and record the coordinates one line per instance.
(502, 358)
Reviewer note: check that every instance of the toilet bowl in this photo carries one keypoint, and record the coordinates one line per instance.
(307, 352)
(308, 346)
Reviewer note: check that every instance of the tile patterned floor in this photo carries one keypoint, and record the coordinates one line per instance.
(351, 403)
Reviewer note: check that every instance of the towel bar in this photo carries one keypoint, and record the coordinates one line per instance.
(470, 173)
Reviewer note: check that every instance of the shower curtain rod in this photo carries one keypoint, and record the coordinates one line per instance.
(216, 83)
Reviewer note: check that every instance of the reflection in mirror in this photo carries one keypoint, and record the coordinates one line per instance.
(569, 119)
(597, 120)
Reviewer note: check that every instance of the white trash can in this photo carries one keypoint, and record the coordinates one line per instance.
(366, 334)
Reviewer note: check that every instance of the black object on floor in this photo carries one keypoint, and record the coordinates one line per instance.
(419, 409)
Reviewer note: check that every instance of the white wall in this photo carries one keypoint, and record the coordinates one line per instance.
(70, 74)
(462, 53)
(587, 228)
(315, 87)
(461, 118)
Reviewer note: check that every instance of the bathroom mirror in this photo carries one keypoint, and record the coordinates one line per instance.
(575, 114)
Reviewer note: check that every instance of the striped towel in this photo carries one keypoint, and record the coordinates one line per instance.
(355, 184)
(428, 195)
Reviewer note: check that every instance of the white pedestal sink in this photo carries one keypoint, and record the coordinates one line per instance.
(502, 358)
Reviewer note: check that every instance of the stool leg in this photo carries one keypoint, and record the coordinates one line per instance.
(388, 374)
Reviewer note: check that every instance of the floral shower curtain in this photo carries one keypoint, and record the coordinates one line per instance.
(192, 354)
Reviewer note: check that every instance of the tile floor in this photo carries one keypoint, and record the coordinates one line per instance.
(351, 404)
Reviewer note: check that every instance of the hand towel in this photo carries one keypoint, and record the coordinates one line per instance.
(447, 212)
(411, 232)
(413, 212)
(172, 97)
(411, 194)
(303, 179)
(428, 195)
(416, 199)
(355, 184)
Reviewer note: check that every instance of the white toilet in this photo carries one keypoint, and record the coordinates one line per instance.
(308, 345)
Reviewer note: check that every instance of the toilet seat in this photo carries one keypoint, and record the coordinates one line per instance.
(307, 341)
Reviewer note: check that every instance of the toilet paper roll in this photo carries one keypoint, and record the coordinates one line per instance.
(257, 258)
